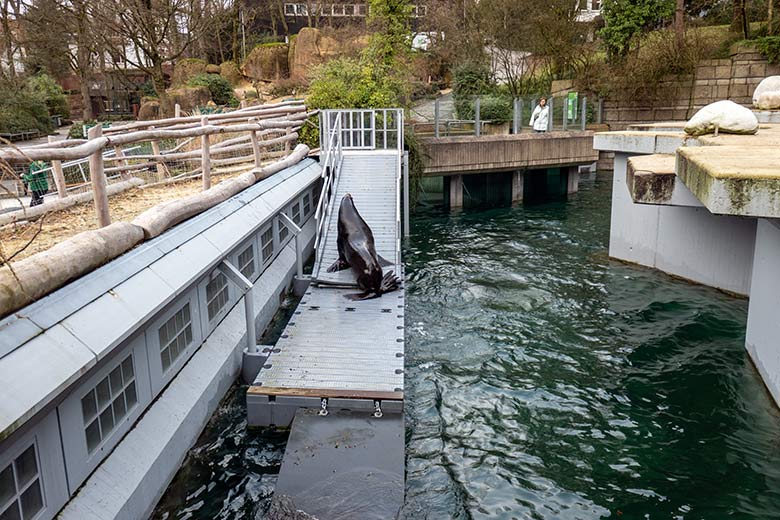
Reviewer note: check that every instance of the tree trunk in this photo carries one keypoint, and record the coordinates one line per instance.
(9, 42)
(158, 81)
(679, 24)
(739, 23)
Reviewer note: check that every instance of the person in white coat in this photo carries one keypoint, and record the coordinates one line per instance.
(540, 116)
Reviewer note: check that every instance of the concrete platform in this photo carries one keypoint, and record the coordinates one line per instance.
(733, 180)
(344, 466)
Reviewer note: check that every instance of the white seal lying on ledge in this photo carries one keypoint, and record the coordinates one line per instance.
(767, 94)
(722, 116)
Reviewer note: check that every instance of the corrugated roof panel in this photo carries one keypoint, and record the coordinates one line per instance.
(109, 320)
(32, 375)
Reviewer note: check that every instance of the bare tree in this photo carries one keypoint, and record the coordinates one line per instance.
(60, 35)
(150, 33)
(9, 17)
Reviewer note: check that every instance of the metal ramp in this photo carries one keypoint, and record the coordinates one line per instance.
(372, 178)
(337, 354)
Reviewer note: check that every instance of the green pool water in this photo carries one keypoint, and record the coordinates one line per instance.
(544, 381)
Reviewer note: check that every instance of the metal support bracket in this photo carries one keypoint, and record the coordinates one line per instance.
(245, 286)
(296, 231)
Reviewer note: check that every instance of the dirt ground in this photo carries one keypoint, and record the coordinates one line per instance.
(59, 226)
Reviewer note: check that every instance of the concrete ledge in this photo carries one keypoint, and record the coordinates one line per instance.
(651, 179)
(128, 484)
(732, 180)
(638, 142)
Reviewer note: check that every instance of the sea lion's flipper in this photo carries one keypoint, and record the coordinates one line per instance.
(390, 282)
(338, 265)
(384, 262)
(362, 296)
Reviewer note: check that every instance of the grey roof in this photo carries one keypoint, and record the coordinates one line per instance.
(50, 344)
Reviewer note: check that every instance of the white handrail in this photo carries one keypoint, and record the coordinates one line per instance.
(331, 167)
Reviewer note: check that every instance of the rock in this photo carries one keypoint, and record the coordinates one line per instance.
(312, 47)
(267, 62)
(186, 68)
(150, 109)
(726, 116)
(767, 94)
(212, 69)
(187, 97)
(229, 70)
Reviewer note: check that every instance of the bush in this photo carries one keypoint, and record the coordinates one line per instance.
(147, 90)
(769, 47)
(220, 88)
(43, 87)
(22, 109)
(472, 79)
(345, 83)
(492, 107)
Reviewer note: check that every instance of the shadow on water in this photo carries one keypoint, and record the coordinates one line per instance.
(544, 381)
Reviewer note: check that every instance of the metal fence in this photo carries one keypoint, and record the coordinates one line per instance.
(567, 112)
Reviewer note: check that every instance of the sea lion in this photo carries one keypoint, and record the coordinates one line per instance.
(357, 251)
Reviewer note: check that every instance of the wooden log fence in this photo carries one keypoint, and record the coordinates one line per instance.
(261, 128)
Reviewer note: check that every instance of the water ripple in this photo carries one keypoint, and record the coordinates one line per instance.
(547, 382)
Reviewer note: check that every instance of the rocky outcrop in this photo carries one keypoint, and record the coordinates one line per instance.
(229, 70)
(767, 94)
(150, 109)
(212, 69)
(722, 116)
(187, 97)
(312, 47)
(267, 62)
(186, 68)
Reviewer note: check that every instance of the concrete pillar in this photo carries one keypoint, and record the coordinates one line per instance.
(573, 180)
(456, 191)
(763, 327)
(517, 185)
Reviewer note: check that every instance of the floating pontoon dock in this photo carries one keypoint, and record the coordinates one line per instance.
(343, 360)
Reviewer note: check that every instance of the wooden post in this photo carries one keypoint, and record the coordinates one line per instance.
(118, 152)
(98, 176)
(177, 110)
(255, 146)
(156, 151)
(59, 175)
(205, 157)
(287, 132)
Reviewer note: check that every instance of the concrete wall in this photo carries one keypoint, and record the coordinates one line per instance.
(763, 327)
(734, 78)
(688, 242)
(467, 155)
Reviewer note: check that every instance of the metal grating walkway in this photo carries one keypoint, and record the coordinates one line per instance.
(332, 346)
(372, 179)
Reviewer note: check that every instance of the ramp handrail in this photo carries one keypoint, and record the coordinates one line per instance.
(331, 167)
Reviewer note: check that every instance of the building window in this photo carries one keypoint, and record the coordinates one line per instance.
(283, 231)
(21, 496)
(289, 9)
(175, 335)
(360, 9)
(267, 244)
(296, 213)
(306, 205)
(105, 405)
(216, 295)
(246, 261)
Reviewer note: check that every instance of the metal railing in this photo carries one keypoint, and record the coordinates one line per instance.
(568, 112)
(331, 168)
(356, 130)
(364, 129)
